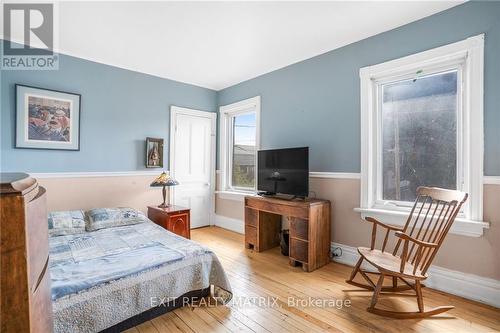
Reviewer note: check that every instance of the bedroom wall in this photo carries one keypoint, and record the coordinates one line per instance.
(315, 103)
(100, 191)
(120, 108)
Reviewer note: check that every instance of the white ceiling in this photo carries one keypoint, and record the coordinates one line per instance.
(219, 44)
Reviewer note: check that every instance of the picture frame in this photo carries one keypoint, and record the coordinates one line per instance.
(47, 118)
(154, 152)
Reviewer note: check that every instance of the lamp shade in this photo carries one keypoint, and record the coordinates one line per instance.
(164, 180)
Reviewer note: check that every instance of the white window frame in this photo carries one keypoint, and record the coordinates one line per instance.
(227, 112)
(466, 55)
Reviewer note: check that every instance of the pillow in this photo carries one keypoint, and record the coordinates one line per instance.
(66, 222)
(100, 218)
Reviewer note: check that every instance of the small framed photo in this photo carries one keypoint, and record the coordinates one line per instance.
(154, 153)
(47, 119)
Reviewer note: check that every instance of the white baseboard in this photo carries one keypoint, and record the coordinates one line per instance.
(230, 223)
(470, 286)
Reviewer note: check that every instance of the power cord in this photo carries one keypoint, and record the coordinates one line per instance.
(336, 252)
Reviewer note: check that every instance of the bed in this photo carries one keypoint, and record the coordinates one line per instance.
(101, 279)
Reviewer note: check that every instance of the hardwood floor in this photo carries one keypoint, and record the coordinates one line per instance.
(268, 274)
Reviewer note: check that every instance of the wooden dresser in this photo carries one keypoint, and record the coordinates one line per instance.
(173, 218)
(25, 280)
(309, 228)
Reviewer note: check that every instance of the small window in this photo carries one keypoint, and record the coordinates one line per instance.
(419, 134)
(243, 162)
(239, 144)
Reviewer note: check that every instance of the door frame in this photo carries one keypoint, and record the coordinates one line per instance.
(174, 112)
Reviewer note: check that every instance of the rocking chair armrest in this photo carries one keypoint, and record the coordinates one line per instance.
(375, 221)
(404, 236)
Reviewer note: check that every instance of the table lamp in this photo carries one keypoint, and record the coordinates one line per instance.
(164, 180)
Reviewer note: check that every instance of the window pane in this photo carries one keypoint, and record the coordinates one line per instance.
(244, 151)
(419, 135)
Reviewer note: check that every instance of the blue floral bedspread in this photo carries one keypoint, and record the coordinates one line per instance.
(127, 267)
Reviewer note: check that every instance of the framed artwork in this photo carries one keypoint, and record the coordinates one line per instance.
(47, 119)
(154, 153)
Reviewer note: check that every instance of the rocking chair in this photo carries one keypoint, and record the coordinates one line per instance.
(430, 219)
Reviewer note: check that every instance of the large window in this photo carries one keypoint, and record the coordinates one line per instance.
(419, 134)
(422, 125)
(239, 144)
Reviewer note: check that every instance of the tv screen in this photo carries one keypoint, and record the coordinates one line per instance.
(284, 171)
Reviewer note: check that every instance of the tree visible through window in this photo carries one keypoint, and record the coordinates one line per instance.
(243, 168)
(419, 134)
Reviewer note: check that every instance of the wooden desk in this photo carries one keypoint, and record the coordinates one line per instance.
(309, 228)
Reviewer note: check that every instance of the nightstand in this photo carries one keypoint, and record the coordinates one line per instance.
(173, 218)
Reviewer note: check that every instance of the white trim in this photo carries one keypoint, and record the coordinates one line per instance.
(335, 175)
(230, 223)
(225, 132)
(487, 180)
(461, 226)
(470, 53)
(149, 173)
(174, 112)
(233, 195)
(470, 286)
(491, 180)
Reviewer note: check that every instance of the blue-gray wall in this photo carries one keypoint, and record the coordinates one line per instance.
(120, 108)
(315, 102)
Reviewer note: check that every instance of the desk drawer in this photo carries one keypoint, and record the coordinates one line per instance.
(299, 228)
(299, 250)
(251, 216)
(179, 224)
(276, 208)
(250, 235)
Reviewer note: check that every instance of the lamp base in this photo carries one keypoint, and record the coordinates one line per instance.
(163, 205)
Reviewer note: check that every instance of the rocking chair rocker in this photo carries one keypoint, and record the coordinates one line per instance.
(430, 219)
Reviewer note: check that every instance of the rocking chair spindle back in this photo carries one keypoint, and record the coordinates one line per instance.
(416, 245)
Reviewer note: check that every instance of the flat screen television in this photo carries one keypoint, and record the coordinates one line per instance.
(284, 171)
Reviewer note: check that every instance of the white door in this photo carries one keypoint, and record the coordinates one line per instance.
(192, 162)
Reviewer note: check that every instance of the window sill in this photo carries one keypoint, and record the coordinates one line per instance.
(233, 195)
(461, 226)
